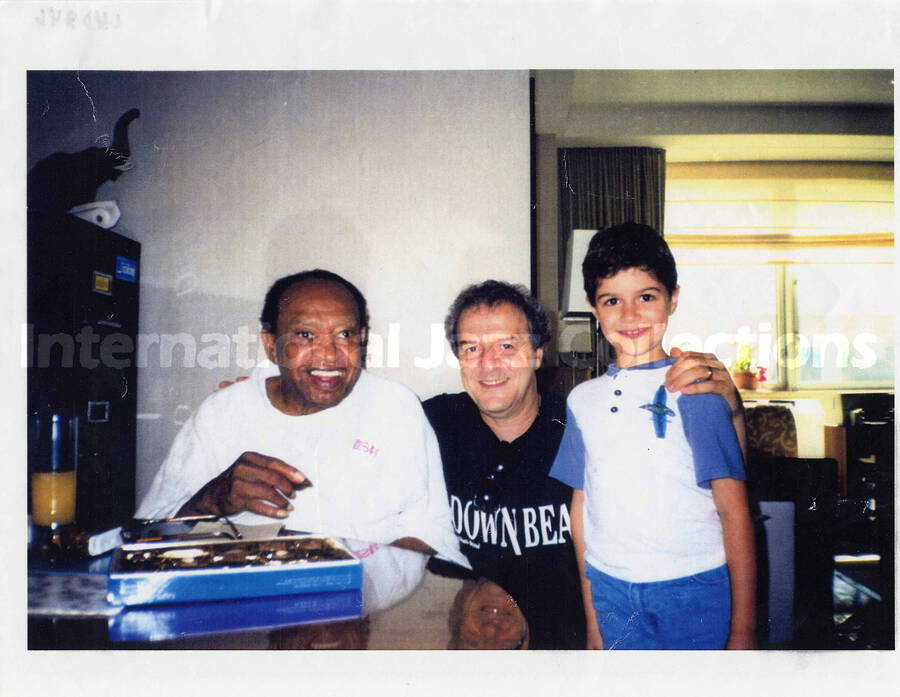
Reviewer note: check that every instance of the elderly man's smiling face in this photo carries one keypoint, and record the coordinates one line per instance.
(317, 346)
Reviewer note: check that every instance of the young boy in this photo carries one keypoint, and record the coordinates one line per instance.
(660, 519)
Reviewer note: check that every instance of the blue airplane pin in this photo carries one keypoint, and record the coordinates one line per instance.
(660, 411)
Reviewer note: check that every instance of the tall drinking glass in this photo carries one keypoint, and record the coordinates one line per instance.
(53, 471)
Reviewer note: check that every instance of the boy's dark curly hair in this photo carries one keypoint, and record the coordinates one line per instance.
(627, 246)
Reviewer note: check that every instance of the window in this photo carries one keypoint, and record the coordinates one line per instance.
(844, 314)
(810, 325)
(723, 305)
(794, 260)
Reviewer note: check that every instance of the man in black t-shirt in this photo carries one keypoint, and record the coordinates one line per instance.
(498, 440)
(524, 543)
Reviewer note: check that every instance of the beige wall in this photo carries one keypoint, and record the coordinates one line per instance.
(411, 184)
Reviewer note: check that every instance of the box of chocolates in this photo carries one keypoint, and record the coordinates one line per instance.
(203, 570)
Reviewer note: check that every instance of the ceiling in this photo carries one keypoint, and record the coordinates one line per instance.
(722, 115)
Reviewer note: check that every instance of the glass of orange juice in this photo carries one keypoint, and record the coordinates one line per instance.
(53, 498)
(53, 478)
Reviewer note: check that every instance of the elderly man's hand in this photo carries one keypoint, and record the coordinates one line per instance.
(254, 482)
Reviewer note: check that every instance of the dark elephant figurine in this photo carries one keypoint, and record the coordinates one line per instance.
(63, 180)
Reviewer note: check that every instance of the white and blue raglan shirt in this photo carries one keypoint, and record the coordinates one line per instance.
(645, 458)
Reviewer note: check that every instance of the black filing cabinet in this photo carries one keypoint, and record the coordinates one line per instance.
(81, 344)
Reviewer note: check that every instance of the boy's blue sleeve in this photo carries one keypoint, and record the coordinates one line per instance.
(568, 467)
(707, 426)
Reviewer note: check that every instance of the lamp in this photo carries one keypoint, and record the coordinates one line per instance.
(576, 310)
(574, 301)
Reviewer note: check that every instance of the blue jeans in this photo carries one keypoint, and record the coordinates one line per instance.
(692, 612)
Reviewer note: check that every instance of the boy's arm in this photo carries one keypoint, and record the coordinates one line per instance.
(730, 496)
(594, 638)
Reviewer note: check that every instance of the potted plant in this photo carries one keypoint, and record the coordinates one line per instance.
(746, 375)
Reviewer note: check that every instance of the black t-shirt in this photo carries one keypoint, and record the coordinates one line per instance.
(526, 546)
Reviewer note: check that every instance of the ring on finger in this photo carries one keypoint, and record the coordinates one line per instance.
(709, 377)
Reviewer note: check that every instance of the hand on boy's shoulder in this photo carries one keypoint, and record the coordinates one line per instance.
(701, 373)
